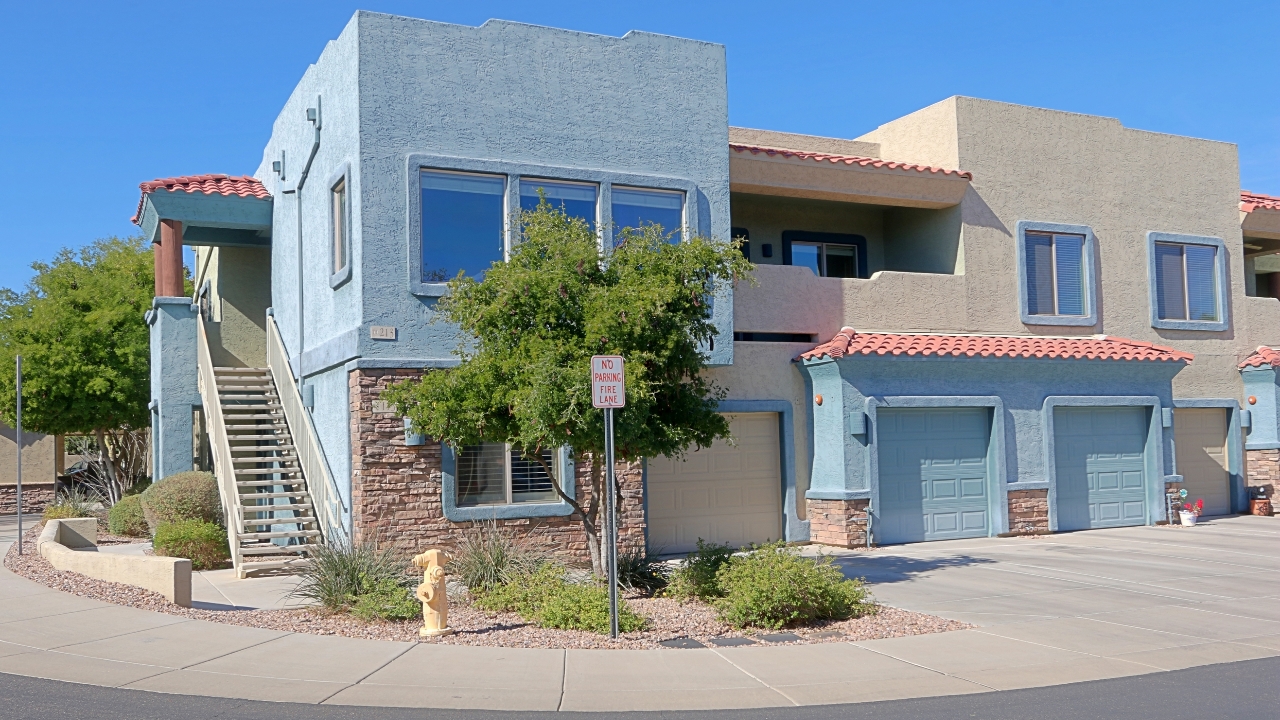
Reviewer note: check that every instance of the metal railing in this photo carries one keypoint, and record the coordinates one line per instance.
(315, 468)
(223, 467)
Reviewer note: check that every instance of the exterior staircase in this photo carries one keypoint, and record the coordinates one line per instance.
(271, 508)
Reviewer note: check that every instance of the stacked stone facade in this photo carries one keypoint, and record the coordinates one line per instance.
(1028, 512)
(396, 488)
(1262, 469)
(841, 523)
(35, 496)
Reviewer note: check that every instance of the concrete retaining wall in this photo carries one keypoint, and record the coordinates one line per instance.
(72, 545)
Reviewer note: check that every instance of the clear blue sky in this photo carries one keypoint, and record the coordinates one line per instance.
(101, 96)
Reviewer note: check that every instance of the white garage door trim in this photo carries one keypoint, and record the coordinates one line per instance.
(1153, 455)
(697, 498)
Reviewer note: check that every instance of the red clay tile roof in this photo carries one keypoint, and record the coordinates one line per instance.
(1249, 201)
(844, 159)
(243, 186)
(1096, 347)
(1262, 356)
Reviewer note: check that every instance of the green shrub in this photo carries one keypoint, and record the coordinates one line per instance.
(642, 572)
(547, 600)
(183, 496)
(774, 586)
(339, 574)
(73, 503)
(126, 518)
(696, 576)
(204, 543)
(387, 600)
(490, 555)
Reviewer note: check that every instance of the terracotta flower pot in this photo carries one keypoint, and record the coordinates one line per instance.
(1260, 506)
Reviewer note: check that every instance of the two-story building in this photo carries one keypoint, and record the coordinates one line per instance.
(978, 319)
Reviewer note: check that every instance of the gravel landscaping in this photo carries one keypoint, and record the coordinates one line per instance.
(669, 619)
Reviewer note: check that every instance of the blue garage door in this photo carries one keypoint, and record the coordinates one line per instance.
(1101, 472)
(933, 474)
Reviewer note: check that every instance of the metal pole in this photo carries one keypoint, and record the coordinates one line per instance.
(18, 362)
(611, 523)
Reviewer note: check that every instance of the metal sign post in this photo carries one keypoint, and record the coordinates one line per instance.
(608, 391)
(18, 362)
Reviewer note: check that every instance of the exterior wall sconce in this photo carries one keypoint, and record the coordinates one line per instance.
(817, 399)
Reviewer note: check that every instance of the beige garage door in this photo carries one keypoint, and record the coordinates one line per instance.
(1200, 435)
(722, 494)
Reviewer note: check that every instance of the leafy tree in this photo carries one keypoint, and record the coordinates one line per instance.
(85, 348)
(533, 323)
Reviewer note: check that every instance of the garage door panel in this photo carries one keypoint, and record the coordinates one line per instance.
(725, 493)
(933, 477)
(1100, 466)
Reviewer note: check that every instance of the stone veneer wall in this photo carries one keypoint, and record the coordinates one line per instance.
(842, 523)
(1262, 469)
(1028, 512)
(35, 496)
(396, 493)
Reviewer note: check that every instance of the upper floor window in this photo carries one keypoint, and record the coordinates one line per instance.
(575, 199)
(636, 207)
(494, 474)
(462, 223)
(1188, 281)
(338, 224)
(1056, 283)
(1055, 274)
(826, 254)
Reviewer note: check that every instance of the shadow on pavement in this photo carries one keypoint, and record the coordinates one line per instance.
(891, 569)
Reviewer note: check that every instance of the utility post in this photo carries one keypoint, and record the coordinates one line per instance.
(608, 392)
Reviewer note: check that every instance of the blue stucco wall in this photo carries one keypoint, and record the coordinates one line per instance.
(1264, 431)
(844, 465)
(174, 388)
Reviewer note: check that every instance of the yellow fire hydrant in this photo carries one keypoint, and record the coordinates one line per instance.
(435, 601)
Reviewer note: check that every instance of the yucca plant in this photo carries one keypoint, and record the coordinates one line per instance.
(490, 555)
(339, 574)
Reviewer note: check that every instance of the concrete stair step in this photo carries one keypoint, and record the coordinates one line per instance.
(275, 549)
(248, 567)
(248, 523)
(276, 508)
(282, 534)
(267, 483)
(267, 471)
(273, 495)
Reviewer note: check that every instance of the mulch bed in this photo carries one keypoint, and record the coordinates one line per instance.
(669, 619)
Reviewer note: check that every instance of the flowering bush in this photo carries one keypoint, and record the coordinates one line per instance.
(1195, 508)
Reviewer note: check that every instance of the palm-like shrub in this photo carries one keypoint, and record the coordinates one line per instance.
(191, 495)
(490, 555)
(72, 503)
(341, 573)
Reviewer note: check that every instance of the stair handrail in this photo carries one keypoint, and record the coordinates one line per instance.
(315, 467)
(223, 465)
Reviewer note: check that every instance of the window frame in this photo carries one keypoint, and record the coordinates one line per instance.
(1221, 285)
(697, 217)
(415, 256)
(465, 513)
(1088, 275)
(339, 276)
(858, 242)
(684, 207)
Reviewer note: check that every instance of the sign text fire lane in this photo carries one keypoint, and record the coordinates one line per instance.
(608, 382)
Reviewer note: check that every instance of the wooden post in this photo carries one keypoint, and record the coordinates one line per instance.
(170, 259)
(158, 251)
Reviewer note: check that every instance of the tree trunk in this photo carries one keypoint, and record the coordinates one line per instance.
(113, 481)
(591, 520)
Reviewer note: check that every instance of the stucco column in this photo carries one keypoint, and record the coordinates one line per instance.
(170, 275)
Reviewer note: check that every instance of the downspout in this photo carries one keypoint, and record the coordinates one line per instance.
(313, 116)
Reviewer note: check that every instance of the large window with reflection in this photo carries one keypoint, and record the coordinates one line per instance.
(576, 199)
(637, 207)
(462, 223)
(494, 474)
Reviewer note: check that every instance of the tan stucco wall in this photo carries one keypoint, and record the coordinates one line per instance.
(240, 293)
(39, 457)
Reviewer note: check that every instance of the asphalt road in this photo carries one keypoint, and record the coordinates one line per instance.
(1235, 690)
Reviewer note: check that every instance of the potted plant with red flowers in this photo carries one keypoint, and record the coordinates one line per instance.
(1190, 512)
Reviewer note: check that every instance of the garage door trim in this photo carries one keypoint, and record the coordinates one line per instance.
(997, 485)
(1153, 453)
(1235, 444)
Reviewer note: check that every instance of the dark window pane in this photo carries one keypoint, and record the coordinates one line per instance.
(1040, 299)
(529, 481)
(1171, 302)
(575, 199)
(1202, 294)
(841, 261)
(806, 255)
(636, 208)
(461, 224)
(481, 474)
(1068, 253)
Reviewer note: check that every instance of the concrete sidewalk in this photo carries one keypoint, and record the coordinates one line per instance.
(1053, 610)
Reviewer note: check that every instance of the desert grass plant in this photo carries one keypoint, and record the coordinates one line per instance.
(73, 503)
(547, 599)
(387, 599)
(191, 495)
(641, 571)
(126, 518)
(204, 543)
(774, 586)
(695, 578)
(340, 573)
(490, 555)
